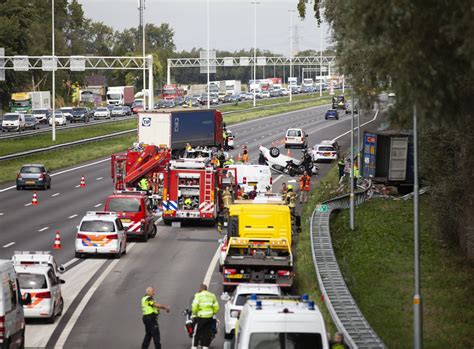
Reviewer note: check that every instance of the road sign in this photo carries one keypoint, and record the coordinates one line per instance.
(2, 61)
(322, 208)
(203, 61)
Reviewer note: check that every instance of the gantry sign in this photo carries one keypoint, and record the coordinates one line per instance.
(324, 61)
(79, 64)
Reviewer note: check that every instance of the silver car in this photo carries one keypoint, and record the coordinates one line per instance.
(33, 176)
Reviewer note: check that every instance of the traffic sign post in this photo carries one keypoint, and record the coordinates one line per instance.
(322, 208)
(2, 71)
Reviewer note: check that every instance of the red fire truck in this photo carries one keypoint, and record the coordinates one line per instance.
(172, 91)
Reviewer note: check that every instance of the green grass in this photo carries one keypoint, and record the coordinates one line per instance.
(15, 145)
(67, 157)
(269, 101)
(306, 280)
(377, 263)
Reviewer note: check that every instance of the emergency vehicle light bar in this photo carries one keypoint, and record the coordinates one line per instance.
(102, 213)
(33, 252)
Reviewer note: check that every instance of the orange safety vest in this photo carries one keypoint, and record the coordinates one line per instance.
(239, 158)
(305, 183)
(245, 158)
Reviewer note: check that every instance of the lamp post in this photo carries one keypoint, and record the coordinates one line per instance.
(321, 61)
(54, 73)
(208, 63)
(291, 51)
(351, 207)
(254, 3)
(142, 13)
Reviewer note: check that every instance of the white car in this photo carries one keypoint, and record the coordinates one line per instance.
(249, 176)
(275, 159)
(271, 323)
(237, 300)
(67, 112)
(284, 92)
(43, 285)
(101, 233)
(265, 94)
(102, 112)
(296, 137)
(59, 119)
(325, 151)
(41, 115)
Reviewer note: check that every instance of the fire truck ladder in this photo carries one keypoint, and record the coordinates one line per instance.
(208, 184)
(149, 160)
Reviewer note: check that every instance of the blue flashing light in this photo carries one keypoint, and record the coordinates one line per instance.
(305, 298)
(311, 305)
(259, 305)
(253, 297)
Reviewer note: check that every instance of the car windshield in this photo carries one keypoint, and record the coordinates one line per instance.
(30, 119)
(58, 115)
(98, 226)
(80, 110)
(66, 110)
(101, 109)
(325, 148)
(285, 341)
(244, 297)
(40, 111)
(294, 133)
(124, 205)
(31, 169)
(10, 117)
(29, 281)
(118, 108)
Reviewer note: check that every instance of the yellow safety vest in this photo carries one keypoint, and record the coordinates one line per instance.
(143, 184)
(147, 306)
(205, 305)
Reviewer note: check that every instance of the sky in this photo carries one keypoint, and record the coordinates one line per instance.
(231, 23)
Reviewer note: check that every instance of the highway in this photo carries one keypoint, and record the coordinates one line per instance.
(102, 295)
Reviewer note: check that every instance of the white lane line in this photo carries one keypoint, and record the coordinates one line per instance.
(43, 229)
(278, 178)
(80, 308)
(55, 194)
(28, 204)
(77, 186)
(65, 171)
(99, 178)
(8, 245)
(212, 266)
(365, 123)
(1, 213)
(98, 205)
(73, 216)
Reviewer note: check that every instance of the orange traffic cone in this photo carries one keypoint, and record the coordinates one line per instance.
(289, 152)
(83, 182)
(57, 241)
(34, 201)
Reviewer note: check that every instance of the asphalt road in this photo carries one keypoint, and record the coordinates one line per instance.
(175, 262)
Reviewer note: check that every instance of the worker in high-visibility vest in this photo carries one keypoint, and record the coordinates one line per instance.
(238, 158)
(305, 186)
(151, 310)
(245, 154)
(204, 308)
(143, 184)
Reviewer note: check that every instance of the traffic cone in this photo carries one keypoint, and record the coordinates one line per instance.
(57, 241)
(83, 182)
(34, 201)
(289, 152)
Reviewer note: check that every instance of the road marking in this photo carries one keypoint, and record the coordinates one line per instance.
(99, 178)
(212, 266)
(28, 204)
(55, 194)
(98, 205)
(10, 244)
(77, 186)
(365, 123)
(82, 305)
(73, 216)
(43, 229)
(1, 213)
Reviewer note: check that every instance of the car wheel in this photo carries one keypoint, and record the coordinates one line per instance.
(228, 336)
(51, 319)
(118, 255)
(49, 185)
(45, 186)
(61, 307)
(153, 231)
(18, 187)
(78, 255)
(275, 152)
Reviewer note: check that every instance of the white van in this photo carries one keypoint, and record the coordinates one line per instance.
(12, 321)
(13, 122)
(281, 322)
(249, 176)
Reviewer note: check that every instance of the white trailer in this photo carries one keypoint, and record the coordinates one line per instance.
(40, 100)
(233, 87)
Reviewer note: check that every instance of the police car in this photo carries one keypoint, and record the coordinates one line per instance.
(38, 276)
(236, 301)
(101, 233)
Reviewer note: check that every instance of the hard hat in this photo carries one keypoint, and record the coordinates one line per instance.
(290, 187)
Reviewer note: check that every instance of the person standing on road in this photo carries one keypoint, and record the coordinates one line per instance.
(204, 307)
(305, 186)
(341, 166)
(151, 310)
(245, 154)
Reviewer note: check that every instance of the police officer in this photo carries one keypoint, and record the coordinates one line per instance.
(151, 310)
(143, 184)
(204, 307)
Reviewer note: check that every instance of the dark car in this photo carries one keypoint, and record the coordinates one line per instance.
(33, 176)
(227, 99)
(165, 103)
(178, 100)
(81, 114)
(137, 106)
(275, 92)
(31, 123)
(190, 100)
(331, 114)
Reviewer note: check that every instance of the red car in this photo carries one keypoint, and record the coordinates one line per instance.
(135, 211)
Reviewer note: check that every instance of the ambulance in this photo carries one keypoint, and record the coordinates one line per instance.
(100, 233)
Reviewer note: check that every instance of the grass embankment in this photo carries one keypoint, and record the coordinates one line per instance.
(377, 263)
(67, 157)
(269, 101)
(306, 280)
(16, 145)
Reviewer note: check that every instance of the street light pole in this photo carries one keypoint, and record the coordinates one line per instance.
(358, 135)
(291, 52)
(417, 300)
(255, 3)
(142, 14)
(321, 61)
(352, 218)
(54, 73)
(208, 65)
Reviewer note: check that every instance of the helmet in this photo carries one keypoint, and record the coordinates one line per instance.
(290, 187)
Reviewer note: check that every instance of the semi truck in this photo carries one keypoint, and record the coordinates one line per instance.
(388, 158)
(233, 87)
(121, 95)
(172, 91)
(28, 101)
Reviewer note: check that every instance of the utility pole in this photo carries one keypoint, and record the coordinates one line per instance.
(320, 61)
(54, 73)
(359, 112)
(352, 218)
(141, 19)
(255, 3)
(291, 51)
(417, 300)
(208, 63)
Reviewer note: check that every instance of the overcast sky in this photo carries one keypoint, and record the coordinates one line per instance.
(231, 22)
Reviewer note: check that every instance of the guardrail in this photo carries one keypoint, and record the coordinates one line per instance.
(344, 311)
(63, 145)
